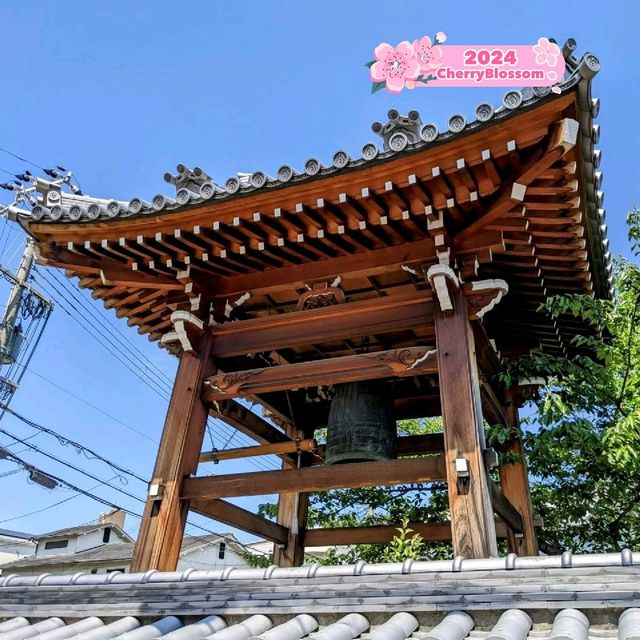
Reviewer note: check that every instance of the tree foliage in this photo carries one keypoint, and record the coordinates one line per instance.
(583, 435)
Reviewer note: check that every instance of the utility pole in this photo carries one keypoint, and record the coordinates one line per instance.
(11, 335)
(25, 305)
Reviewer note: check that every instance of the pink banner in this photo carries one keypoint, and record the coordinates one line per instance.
(427, 62)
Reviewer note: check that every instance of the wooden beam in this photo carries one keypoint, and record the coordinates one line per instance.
(293, 508)
(383, 534)
(165, 513)
(48, 253)
(410, 445)
(514, 481)
(505, 509)
(366, 366)
(367, 263)
(260, 450)
(234, 516)
(121, 276)
(363, 318)
(248, 422)
(378, 534)
(470, 506)
(321, 478)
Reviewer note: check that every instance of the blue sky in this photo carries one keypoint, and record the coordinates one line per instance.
(120, 92)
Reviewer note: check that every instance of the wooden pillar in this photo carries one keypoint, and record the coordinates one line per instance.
(165, 513)
(514, 481)
(292, 514)
(472, 523)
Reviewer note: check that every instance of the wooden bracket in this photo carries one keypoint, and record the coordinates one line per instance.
(440, 276)
(486, 293)
(187, 329)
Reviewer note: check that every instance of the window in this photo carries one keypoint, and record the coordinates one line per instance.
(221, 550)
(56, 544)
(106, 535)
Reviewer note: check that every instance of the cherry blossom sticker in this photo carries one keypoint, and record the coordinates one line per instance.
(406, 65)
(429, 62)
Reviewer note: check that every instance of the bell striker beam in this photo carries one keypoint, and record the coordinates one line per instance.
(472, 523)
(165, 513)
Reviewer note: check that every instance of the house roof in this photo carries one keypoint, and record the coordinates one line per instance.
(116, 552)
(8, 533)
(574, 597)
(82, 530)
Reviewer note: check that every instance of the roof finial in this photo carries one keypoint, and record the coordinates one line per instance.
(408, 125)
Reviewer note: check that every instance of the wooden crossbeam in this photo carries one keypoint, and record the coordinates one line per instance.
(372, 262)
(278, 448)
(410, 445)
(366, 366)
(240, 518)
(378, 534)
(362, 318)
(322, 478)
(505, 509)
(383, 534)
(248, 422)
(366, 317)
(126, 277)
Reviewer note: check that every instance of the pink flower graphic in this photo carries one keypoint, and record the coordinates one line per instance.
(395, 66)
(441, 37)
(429, 56)
(546, 52)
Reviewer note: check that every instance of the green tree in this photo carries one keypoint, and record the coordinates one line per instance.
(583, 435)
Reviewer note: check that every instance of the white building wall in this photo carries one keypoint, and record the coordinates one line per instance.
(77, 543)
(42, 551)
(207, 558)
(12, 549)
(93, 540)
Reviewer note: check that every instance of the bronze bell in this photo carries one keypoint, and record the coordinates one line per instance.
(361, 425)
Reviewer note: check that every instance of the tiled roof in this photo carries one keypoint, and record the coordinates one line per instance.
(513, 624)
(72, 531)
(401, 135)
(116, 551)
(15, 534)
(82, 530)
(585, 597)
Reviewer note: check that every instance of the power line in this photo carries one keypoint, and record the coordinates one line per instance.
(33, 164)
(51, 506)
(89, 404)
(108, 326)
(31, 468)
(72, 310)
(15, 458)
(64, 441)
(70, 465)
(87, 493)
(120, 355)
